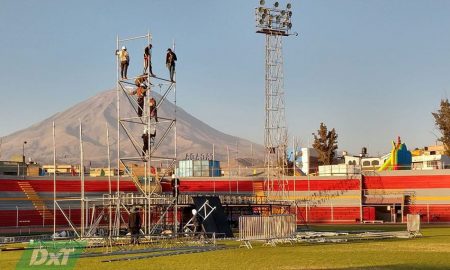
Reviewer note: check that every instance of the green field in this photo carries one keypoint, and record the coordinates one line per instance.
(432, 251)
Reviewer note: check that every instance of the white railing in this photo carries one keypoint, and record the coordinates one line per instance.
(267, 228)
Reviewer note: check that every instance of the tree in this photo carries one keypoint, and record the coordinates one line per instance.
(325, 142)
(442, 121)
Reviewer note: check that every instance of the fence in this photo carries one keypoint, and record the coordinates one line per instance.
(413, 223)
(269, 229)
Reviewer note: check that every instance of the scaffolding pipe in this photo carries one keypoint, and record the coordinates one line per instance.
(83, 218)
(175, 144)
(109, 179)
(147, 173)
(117, 216)
(68, 219)
(293, 169)
(118, 119)
(54, 181)
(129, 39)
(214, 167)
(229, 170)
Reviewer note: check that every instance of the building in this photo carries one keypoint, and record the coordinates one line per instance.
(309, 161)
(430, 158)
(13, 168)
(367, 163)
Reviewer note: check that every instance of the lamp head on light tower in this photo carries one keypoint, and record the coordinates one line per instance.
(273, 20)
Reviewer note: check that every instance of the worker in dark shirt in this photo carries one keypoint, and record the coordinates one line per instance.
(148, 60)
(175, 186)
(134, 225)
(171, 57)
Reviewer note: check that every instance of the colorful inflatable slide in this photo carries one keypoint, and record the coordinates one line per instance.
(400, 158)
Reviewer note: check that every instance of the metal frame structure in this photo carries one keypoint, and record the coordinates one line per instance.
(204, 212)
(166, 125)
(274, 23)
(269, 228)
(147, 198)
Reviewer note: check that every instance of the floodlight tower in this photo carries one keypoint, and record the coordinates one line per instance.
(275, 23)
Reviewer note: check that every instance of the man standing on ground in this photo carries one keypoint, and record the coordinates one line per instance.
(134, 225)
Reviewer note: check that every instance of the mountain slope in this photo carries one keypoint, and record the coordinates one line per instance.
(193, 135)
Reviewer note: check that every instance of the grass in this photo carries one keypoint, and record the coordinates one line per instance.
(429, 252)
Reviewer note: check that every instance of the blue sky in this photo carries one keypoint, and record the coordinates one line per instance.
(370, 69)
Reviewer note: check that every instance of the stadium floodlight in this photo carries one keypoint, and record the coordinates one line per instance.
(275, 20)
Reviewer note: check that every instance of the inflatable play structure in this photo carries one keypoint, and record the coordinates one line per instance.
(400, 158)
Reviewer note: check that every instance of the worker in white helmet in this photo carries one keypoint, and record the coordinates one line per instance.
(145, 141)
(124, 59)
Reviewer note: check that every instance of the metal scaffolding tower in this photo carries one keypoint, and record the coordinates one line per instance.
(157, 164)
(274, 23)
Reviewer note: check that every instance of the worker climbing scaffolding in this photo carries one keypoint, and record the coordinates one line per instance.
(145, 139)
(153, 109)
(141, 93)
(145, 142)
(141, 79)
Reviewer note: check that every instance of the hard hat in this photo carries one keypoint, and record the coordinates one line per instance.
(143, 85)
(173, 176)
(145, 130)
(124, 48)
